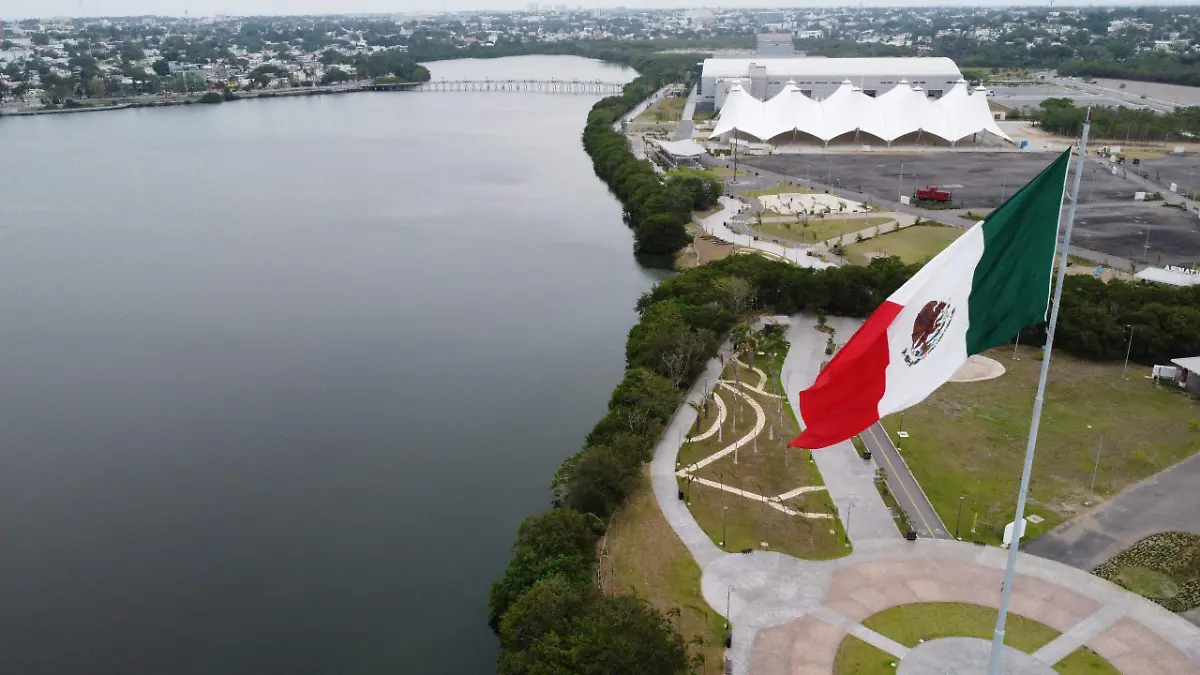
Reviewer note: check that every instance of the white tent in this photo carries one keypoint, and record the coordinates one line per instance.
(899, 112)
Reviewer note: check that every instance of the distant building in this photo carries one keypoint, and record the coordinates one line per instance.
(1186, 375)
(771, 17)
(1172, 275)
(187, 71)
(819, 77)
(774, 44)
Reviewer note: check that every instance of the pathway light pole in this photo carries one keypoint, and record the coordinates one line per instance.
(724, 522)
(1128, 348)
(1016, 343)
(1095, 469)
(728, 609)
(958, 522)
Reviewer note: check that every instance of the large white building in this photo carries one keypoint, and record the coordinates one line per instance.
(819, 77)
(903, 114)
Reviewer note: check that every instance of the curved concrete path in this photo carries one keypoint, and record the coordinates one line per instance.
(716, 425)
(717, 225)
(760, 421)
(789, 615)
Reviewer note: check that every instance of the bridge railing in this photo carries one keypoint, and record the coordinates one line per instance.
(552, 86)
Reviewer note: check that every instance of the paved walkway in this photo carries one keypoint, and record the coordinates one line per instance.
(717, 225)
(1165, 501)
(790, 616)
(850, 478)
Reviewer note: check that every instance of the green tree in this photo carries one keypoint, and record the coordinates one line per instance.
(335, 76)
(161, 68)
(616, 634)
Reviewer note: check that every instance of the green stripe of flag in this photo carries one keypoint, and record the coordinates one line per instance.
(1011, 286)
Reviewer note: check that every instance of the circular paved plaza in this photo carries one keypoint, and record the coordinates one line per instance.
(790, 616)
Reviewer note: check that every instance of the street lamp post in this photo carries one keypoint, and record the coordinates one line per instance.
(1095, 469)
(1016, 343)
(1128, 348)
(958, 522)
(728, 610)
(900, 183)
(724, 522)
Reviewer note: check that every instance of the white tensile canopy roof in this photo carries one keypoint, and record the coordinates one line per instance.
(684, 148)
(901, 111)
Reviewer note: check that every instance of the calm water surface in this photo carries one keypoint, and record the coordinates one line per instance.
(279, 378)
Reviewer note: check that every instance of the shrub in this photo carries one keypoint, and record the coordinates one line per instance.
(211, 97)
(1174, 554)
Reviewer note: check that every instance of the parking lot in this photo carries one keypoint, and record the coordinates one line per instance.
(1030, 96)
(977, 179)
(1108, 218)
(1183, 169)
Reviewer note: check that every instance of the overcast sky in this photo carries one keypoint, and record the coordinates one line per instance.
(13, 9)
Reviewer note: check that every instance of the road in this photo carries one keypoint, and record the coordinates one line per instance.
(1125, 96)
(903, 485)
(686, 127)
(1165, 501)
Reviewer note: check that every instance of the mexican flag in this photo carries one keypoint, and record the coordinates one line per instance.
(990, 283)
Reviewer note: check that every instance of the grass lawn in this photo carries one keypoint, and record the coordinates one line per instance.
(645, 553)
(782, 189)
(670, 109)
(818, 229)
(916, 244)
(909, 624)
(703, 114)
(1084, 661)
(969, 439)
(1164, 567)
(725, 172)
(771, 471)
(856, 657)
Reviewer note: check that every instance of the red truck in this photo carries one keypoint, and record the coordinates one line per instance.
(933, 194)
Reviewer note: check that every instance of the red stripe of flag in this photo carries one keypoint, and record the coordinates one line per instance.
(845, 398)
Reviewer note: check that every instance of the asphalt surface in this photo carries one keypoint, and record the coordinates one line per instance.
(1167, 501)
(903, 485)
(1030, 96)
(1108, 221)
(1182, 168)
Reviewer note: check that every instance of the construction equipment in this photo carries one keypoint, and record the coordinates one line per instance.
(933, 194)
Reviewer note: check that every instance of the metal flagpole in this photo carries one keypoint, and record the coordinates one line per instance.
(1010, 570)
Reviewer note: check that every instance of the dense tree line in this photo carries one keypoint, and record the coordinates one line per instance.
(1167, 67)
(546, 610)
(658, 211)
(1062, 116)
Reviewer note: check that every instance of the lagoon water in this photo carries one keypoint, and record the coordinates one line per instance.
(278, 379)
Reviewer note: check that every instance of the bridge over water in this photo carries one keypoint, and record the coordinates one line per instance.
(541, 86)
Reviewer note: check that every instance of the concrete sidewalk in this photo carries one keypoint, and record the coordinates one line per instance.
(849, 478)
(717, 225)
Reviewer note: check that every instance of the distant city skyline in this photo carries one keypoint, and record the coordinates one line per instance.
(18, 9)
